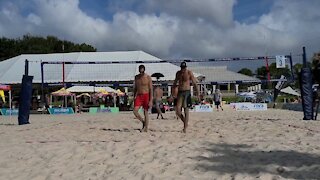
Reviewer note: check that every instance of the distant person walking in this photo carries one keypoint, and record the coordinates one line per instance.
(217, 98)
(174, 91)
(158, 93)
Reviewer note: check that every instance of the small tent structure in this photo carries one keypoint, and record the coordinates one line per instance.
(63, 93)
(90, 89)
(289, 90)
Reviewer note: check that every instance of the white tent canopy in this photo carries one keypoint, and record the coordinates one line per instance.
(90, 89)
(221, 74)
(11, 70)
(289, 90)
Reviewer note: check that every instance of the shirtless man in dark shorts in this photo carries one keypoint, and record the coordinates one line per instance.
(143, 93)
(183, 78)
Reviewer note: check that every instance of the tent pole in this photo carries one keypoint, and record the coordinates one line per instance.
(10, 102)
(42, 85)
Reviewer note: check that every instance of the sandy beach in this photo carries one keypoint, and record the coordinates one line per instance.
(273, 144)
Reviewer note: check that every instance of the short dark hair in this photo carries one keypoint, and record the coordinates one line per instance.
(142, 66)
(183, 64)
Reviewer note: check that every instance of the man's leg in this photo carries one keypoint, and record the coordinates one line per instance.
(316, 109)
(159, 110)
(176, 113)
(138, 116)
(221, 106)
(179, 109)
(175, 107)
(186, 120)
(146, 122)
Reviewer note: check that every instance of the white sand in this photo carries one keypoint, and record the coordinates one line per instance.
(275, 144)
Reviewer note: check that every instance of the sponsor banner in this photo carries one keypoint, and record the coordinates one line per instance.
(249, 106)
(67, 110)
(108, 110)
(94, 110)
(259, 107)
(243, 106)
(8, 112)
(280, 83)
(203, 108)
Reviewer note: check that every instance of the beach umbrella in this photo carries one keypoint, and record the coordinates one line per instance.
(102, 92)
(119, 92)
(84, 94)
(62, 92)
(157, 75)
(2, 95)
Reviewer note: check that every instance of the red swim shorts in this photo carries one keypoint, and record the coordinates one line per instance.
(142, 100)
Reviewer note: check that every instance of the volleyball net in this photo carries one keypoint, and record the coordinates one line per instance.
(255, 72)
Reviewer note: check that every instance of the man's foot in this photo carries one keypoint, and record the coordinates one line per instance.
(145, 129)
(143, 125)
(184, 130)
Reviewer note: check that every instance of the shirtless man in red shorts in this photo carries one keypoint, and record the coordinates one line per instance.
(143, 93)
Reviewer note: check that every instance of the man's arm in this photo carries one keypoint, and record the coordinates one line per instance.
(150, 89)
(135, 87)
(175, 80)
(194, 82)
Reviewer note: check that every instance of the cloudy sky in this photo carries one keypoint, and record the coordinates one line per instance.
(171, 28)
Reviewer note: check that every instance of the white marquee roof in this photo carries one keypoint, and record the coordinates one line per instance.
(221, 74)
(11, 70)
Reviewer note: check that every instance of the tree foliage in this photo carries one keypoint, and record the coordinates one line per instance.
(275, 72)
(315, 59)
(246, 71)
(39, 45)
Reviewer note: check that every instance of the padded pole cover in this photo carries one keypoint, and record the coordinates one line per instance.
(306, 93)
(25, 100)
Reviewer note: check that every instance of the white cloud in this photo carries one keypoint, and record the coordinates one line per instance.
(173, 28)
(213, 11)
(32, 18)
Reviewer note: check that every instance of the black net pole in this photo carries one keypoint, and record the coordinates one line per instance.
(306, 89)
(25, 97)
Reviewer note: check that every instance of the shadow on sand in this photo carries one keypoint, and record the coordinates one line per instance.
(244, 159)
(135, 130)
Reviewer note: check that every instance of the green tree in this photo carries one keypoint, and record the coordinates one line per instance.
(315, 59)
(316, 65)
(275, 72)
(262, 72)
(246, 71)
(39, 45)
